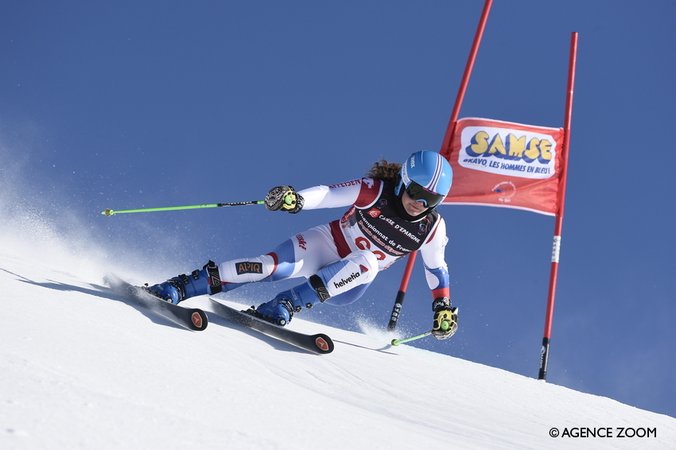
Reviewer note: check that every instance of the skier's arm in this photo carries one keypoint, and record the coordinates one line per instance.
(436, 270)
(335, 195)
(445, 321)
(285, 198)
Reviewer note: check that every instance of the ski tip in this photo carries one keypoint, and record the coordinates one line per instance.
(198, 320)
(323, 343)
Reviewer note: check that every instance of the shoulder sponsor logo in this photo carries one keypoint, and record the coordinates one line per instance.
(345, 184)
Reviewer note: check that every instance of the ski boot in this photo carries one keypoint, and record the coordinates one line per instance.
(181, 287)
(280, 309)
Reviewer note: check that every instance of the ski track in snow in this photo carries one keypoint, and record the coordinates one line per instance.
(82, 368)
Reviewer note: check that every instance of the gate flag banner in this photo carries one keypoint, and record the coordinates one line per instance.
(505, 164)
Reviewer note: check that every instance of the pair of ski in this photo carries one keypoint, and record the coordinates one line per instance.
(197, 320)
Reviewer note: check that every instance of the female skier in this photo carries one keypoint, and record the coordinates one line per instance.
(392, 213)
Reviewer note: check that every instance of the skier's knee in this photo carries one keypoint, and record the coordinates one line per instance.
(367, 260)
(356, 269)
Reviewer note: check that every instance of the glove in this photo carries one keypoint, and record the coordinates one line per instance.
(445, 322)
(284, 198)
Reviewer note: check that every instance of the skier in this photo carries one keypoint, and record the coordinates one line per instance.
(392, 213)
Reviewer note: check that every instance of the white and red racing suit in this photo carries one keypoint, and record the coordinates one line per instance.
(373, 234)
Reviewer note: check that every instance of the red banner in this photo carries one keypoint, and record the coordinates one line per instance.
(505, 164)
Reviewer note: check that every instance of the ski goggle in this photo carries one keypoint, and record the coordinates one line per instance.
(418, 193)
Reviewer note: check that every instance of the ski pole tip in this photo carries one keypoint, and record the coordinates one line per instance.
(107, 212)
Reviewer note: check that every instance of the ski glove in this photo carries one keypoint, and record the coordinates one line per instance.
(284, 198)
(445, 322)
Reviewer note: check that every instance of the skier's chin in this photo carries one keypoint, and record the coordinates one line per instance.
(414, 208)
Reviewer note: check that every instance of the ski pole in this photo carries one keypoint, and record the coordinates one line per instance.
(409, 339)
(445, 325)
(112, 212)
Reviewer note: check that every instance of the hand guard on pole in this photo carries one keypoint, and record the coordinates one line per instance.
(284, 198)
(445, 322)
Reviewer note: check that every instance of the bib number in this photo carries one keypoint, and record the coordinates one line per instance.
(364, 244)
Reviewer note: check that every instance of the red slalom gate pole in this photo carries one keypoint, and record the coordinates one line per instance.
(448, 136)
(450, 129)
(558, 225)
(399, 300)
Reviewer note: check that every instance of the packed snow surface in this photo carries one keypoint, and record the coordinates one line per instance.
(81, 367)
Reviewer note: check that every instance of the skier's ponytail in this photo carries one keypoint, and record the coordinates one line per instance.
(384, 170)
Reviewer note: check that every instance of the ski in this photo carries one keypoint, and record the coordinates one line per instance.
(190, 318)
(315, 343)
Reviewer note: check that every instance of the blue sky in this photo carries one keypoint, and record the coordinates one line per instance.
(140, 104)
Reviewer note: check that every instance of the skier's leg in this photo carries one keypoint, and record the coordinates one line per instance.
(199, 282)
(298, 256)
(345, 280)
(349, 297)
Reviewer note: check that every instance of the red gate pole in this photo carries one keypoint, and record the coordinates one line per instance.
(558, 225)
(450, 129)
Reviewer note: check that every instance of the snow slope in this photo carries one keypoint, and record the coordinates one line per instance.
(80, 368)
